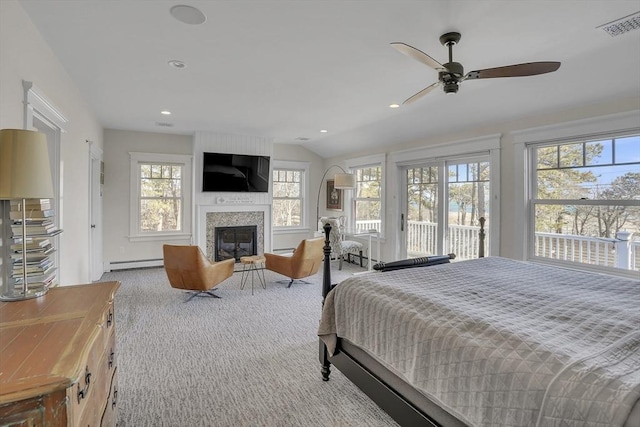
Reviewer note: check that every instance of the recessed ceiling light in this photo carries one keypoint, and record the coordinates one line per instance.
(175, 63)
(188, 14)
(165, 112)
(394, 106)
(324, 131)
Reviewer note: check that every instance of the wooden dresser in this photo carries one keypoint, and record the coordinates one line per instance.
(58, 358)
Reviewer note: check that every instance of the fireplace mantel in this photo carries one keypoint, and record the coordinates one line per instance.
(201, 221)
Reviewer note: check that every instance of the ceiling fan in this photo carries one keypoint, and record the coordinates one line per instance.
(451, 74)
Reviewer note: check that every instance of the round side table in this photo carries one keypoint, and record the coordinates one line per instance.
(252, 265)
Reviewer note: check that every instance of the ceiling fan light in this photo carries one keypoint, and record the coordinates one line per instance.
(451, 87)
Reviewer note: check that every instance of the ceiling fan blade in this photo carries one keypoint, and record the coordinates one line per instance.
(422, 93)
(518, 70)
(418, 55)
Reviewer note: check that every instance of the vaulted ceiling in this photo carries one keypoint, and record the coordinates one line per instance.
(288, 69)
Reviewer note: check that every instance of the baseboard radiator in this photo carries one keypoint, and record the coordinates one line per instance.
(138, 263)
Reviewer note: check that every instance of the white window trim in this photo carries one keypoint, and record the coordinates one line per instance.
(463, 149)
(135, 235)
(363, 162)
(305, 167)
(604, 126)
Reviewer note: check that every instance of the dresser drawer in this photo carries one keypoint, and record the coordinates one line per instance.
(106, 322)
(35, 412)
(110, 414)
(91, 399)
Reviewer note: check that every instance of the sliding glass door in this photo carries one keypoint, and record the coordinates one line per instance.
(422, 233)
(445, 200)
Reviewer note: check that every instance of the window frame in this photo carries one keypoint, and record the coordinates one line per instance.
(362, 163)
(452, 150)
(182, 160)
(304, 168)
(526, 141)
(444, 182)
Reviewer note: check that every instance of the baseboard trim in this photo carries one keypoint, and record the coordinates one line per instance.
(139, 263)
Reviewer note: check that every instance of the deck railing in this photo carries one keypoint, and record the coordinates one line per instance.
(464, 240)
(621, 252)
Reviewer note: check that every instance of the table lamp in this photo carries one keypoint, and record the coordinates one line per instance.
(24, 174)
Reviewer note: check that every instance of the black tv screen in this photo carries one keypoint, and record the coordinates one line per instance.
(235, 172)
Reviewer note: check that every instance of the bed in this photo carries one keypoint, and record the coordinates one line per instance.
(488, 342)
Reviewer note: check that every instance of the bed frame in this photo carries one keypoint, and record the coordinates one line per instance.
(385, 395)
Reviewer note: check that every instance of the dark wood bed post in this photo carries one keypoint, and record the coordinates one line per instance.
(326, 287)
(481, 235)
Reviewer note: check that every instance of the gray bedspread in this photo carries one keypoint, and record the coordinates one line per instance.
(498, 342)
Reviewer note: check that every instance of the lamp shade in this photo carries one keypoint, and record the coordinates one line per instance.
(344, 181)
(24, 165)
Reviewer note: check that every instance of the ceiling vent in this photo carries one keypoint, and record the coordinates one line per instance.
(622, 25)
(303, 139)
(164, 124)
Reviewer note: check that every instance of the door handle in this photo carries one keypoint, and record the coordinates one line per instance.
(402, 222)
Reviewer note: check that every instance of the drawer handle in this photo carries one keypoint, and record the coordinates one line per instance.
(115, 399)
(111, 358)
(109, 319)
(87, 381)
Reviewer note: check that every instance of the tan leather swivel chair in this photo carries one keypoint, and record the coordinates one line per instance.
(304, 262)
(187, 268)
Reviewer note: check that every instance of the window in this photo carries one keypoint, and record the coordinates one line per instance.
(468, 192)
(289, 194)
(287, 198)
(443, 191)
(367, 200)
(160, 196)
(445, 201)
(585, 201)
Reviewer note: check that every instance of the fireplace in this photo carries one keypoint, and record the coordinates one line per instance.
(235, 242)
(209, 217)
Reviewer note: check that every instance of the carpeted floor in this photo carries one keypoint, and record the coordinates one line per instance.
(243, 360)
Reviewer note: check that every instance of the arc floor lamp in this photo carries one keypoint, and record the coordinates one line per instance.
(24, 174)
(342, 181)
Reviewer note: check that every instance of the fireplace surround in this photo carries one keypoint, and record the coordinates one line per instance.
(208, 217)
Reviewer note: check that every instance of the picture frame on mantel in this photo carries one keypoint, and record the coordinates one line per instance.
(334, 196)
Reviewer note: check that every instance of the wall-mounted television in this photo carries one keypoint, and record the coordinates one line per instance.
(235, 172)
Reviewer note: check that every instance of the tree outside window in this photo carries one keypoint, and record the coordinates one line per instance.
(463, 186)
(368, 198)
(585, 194)
(160, 197)
(468, 192)
(287, 197)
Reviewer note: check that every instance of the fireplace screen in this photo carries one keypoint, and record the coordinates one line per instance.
(235, 242)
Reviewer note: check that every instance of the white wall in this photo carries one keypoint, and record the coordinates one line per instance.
(24, 55)
(117, 145)
(290, 239)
